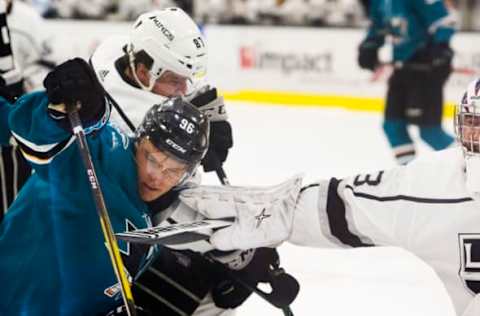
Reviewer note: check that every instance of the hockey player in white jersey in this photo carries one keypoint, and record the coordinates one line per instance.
(32, 43)
(430, 207)
(164, 55)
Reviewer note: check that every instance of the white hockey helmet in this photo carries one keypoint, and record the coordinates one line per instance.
(467, 119)
(173, 41)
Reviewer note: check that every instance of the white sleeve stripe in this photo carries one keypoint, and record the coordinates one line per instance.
(447, 21)
(38, 148)
(43, 158)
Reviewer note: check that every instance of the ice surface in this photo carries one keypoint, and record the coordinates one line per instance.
(273, 143)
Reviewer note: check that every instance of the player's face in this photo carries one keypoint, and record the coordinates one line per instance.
(470, 131)
(157, 172)
(170, 85)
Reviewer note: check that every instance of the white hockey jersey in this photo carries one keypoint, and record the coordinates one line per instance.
(133, 101)
(31, 44)
(423, 207)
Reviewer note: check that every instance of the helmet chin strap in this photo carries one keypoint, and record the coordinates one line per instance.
(131, 62)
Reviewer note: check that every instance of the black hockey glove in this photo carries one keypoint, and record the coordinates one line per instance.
(262, 268)
(11, 85)
(368, 54)
(73, 81)
(122, 311)
(220, 140)
(441, 56)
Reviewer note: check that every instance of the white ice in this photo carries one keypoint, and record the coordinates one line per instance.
(275, 142)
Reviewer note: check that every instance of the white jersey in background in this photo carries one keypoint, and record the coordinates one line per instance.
(31, 44)
(133, 101)
(423, 207)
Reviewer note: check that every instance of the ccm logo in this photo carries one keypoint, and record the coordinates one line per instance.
(176, 146)
(91, 178)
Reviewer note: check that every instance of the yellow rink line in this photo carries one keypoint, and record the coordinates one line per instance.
(363, 104)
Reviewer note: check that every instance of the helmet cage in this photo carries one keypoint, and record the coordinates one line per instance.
(467, 127)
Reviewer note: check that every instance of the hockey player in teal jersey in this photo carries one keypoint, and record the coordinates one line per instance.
(420, 31)
(54, 259)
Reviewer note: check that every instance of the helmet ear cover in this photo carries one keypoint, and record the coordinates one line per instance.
(172, 40)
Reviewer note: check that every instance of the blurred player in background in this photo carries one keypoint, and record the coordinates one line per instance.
(429, 207)
(31, 45)
(420, 32)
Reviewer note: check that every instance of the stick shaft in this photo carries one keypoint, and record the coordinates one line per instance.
(107, 230)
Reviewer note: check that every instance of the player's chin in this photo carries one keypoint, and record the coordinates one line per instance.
(149, 193)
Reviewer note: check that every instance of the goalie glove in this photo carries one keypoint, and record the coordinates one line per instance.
(263, 216)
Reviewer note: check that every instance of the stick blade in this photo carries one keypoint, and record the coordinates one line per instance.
(175, 234)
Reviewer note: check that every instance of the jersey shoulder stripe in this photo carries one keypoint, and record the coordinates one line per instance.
(337, 219)
(402, 197)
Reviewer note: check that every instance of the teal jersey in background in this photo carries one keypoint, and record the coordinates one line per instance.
(412, 25)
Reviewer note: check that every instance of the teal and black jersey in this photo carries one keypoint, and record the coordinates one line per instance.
(412, 25)
(54, 258)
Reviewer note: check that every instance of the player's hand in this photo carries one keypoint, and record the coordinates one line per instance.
(368, 54)
(263, 266)
(441, 56)
(71, 82)
(220, 140)
(264, 216)
(11, 85)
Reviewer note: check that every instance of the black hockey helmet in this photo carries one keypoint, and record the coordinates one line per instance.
(177, 128)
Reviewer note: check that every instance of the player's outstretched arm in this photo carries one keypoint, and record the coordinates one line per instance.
(360, 211)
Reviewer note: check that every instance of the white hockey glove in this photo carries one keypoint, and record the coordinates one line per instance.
(212, 105)
(209, 103)
(264, 216)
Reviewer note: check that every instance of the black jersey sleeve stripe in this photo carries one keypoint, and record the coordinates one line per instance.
(402, 197)
(42, 156)
(337, 219)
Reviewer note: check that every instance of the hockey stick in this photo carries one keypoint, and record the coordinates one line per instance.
(117, 107)
(187, 232)
(184, 235)
(385, 70)
(107, 230)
